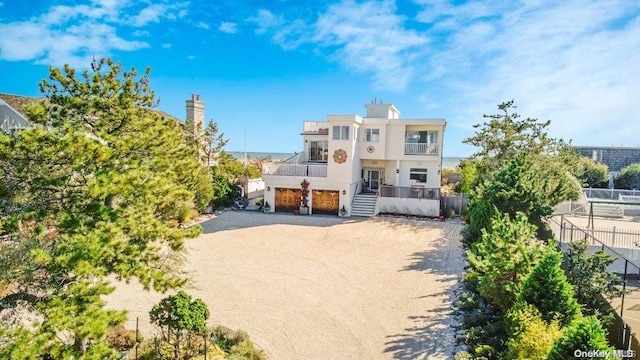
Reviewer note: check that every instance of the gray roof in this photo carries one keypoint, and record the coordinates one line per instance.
(11, 119)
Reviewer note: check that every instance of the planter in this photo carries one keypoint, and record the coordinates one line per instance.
(343, 214)
(304, 210)
(266, 209)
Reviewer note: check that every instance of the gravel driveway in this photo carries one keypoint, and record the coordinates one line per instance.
(315, 287)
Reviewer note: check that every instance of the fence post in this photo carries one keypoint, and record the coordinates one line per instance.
(624, 286)
(613, 237)
(137, 334)
(205, 344)
(611, 193)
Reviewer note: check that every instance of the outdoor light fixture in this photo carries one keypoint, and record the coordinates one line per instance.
(344, 192)
(397, 171)
(268, 188)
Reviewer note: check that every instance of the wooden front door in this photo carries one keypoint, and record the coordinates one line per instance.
(325, 202)
(287, 200)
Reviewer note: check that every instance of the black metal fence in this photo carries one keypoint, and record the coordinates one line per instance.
(621, 332)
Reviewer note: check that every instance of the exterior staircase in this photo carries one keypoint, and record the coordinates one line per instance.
(364, 204)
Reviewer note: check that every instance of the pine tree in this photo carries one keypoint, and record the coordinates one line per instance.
(97, 184)
(547, 289)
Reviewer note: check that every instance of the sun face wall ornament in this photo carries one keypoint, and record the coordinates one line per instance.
(370, 149)
(340, 156)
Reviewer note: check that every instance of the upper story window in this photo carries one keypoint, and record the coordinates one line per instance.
(421, 137)
(341, 132)
(372, 135)
(318, 150)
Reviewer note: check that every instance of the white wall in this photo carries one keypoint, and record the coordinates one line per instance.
(418, 207)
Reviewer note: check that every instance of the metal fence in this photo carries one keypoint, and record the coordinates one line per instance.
(621, 332)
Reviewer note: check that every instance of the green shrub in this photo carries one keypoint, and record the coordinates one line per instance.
(505, 254)
(629, 177)
(547, 289)
(585, 334)
(530, 337)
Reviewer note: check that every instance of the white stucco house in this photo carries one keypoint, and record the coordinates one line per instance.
(368, 165)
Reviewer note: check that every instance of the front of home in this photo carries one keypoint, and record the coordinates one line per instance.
(368, 165)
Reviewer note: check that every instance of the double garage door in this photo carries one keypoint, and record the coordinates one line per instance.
(323, 201)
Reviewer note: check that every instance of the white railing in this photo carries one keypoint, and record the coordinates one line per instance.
(311, 170)
(420, 149)
(321, 127)
(608, 193)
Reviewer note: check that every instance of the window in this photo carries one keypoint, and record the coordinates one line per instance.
(341, 133)
(418, 176)
(318, 150)
(421, 137)
(372, 135)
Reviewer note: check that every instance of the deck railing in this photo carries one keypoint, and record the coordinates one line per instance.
(320, 127)
(311, 170)
(420, 149)
(407, 192)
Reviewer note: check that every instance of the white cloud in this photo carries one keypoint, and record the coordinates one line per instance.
(75, 34)
(155, 12)
(371, 38)
(166, 46)
(191, 57)
(574, 62)
(141, 33)
(266, 20)
(202, 25)
(1, 4)
(228, 27)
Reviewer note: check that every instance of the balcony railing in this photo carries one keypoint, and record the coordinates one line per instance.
(311, 170)
(420, 149)
(320, 127)
(412, 192)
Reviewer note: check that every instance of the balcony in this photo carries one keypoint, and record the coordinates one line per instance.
(310, 170)
(405, 192)
(315, 127)
(420, 149)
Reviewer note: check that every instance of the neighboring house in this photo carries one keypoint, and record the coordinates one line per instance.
(12, 116)
(11, 113)
(379, 163)
(616, 158)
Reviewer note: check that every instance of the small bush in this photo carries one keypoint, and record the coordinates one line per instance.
(121, 339)
(585, 333)
(183, 214)
(531, 337)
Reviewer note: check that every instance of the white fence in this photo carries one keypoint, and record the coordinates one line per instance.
(608, 193)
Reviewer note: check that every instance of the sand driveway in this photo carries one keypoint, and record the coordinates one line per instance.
(316, 287)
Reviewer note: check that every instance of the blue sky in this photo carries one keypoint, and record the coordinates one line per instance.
(273, 64)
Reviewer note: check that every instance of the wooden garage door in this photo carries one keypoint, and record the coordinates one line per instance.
(325, 202)
(287, 200)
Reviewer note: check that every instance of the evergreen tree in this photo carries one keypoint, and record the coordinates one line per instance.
(585, 334)
(96, 186)
(592, 282)
(548, 290)
(505, 254)
(629, 177)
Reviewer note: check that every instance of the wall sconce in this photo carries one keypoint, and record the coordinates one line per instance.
(344, 192)
(268, 188)
(397, 171)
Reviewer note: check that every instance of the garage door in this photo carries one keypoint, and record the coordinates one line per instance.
(287, 200)
(325, 202)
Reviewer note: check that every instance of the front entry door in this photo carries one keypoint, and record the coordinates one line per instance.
(374, 179)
